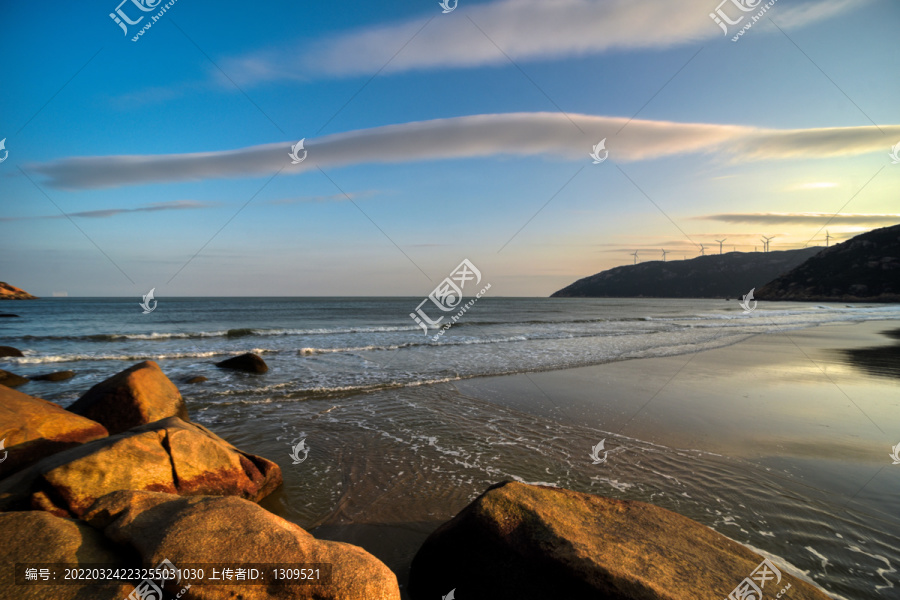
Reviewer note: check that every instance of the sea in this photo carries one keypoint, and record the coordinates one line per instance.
(395, 446)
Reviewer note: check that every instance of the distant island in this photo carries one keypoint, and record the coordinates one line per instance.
(11, 292)
(727, 275)
(865, 268)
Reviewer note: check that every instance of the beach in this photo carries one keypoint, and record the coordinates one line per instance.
(774, 429)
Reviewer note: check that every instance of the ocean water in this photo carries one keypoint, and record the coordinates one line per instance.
(398, 445)
(337, 346)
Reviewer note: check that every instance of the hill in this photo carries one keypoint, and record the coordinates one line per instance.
(11, 292)
(865, 268)
(728, 275)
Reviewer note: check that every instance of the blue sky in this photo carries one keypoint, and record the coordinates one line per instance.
(449, 132)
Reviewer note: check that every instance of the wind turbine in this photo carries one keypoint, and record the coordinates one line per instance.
(766, 241)
(827, 238)
(635, 255)
(664, 252)
(720, 245)
(702, 250)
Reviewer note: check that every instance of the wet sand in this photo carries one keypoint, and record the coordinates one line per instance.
(780, 441)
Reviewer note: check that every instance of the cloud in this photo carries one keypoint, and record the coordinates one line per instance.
(524, 134)
(111, 212)
(805, 218)
(474, 36)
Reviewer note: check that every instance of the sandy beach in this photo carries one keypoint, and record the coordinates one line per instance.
(780, 441)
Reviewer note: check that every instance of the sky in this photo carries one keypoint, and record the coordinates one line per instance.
(167, 156)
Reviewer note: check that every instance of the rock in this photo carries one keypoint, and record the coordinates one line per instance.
(8, 316)
(55, 376)
(166, 456)
(39, 537)
(534, 542)
(249, 362)
(10, 351)
(196, 379)
(138, 395)
(34, 428)
(11, 292)
(11, 379)
(204, 529)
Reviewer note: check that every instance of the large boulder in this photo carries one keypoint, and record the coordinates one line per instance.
(215, 530)
(11, 379)
(39, 537)
(138, 395)
(32, 429)
(10, 351)
(251, 363)
(534, 542)
(166, 456)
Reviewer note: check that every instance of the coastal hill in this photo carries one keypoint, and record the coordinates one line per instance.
(865, 268)
(11, 292)
(727, 275)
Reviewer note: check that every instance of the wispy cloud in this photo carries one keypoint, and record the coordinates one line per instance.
(111, 212)
(805, 218)
(524, 29)
(523, 134)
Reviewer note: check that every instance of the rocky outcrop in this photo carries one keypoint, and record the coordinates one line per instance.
(39, 537)
(11, 292)
(139, 395)
(534, 542)
(11, 379)
(10, 351)
(250, 363)
(33, 429)
(196, 379)
(55, 376)
(865, 268)
(167, 456)
(205, 529)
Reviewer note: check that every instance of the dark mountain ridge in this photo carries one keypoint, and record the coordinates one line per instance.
(729, 275)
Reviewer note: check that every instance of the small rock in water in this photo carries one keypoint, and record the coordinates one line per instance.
(196, 379)
(11, 379)
(56, 376)
(8, 316)
(10, 351)
(251, 363)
